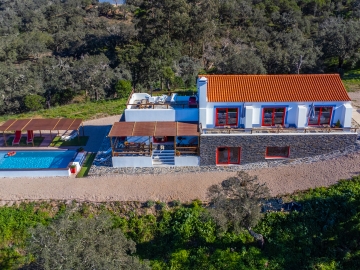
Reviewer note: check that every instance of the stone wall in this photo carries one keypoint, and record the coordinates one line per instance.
(253, 147)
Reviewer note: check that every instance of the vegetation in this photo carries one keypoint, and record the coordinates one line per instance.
(85, 168)
(235, 204)
(82, 243)
(324, 235)
(64, 51)
(85, 111)
(77, 141)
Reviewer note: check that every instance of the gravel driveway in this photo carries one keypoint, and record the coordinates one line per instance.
(184, 187)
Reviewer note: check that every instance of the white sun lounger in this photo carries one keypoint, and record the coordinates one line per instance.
(101, 160)
(69, 137)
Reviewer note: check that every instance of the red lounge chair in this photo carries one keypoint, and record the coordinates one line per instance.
(17, 137)
(30, 136)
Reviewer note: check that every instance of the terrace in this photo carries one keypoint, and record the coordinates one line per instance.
(276, 129)
(142, 138)
(144, 107)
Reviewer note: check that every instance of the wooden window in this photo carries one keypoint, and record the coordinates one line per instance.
(277, 152)
(322, 116)
(273, 116)
(226, 117)
(228, 155)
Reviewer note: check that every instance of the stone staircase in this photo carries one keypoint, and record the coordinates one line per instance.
(163, 158)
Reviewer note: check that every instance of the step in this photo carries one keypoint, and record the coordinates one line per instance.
(162, 157)
(156, 163)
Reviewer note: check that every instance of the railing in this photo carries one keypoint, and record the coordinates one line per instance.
(275, 130)
(187, 150)
(139, 151)
(153, 105)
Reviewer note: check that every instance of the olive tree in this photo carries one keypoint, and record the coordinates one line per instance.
(82, 243)
(236, 203)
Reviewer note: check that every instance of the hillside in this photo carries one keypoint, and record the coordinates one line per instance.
(59, 50)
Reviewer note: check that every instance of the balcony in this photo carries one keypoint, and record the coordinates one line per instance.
(276, 129)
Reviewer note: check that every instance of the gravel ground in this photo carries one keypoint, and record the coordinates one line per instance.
(167, 187)
(184, 187)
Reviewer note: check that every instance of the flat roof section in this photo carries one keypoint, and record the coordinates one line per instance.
(41, 124)
(122, 129)
(165, 129)
(187, 129)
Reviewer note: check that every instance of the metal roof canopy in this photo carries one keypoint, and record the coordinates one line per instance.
(122, 129)
(41, 124)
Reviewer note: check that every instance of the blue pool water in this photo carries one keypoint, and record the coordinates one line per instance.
(36, 159)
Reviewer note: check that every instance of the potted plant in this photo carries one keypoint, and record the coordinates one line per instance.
(73, 168)
(177, 153)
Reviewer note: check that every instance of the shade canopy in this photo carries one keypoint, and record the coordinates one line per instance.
(123, 129)
(41, 124)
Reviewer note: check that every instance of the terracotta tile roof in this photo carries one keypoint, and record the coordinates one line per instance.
(275, 88)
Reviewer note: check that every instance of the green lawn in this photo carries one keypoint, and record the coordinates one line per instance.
(351, 80)
(86, 166)
(37, 141)
(85, 111)
(81, 141)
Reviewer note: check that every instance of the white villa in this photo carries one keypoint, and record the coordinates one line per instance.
(235, 119)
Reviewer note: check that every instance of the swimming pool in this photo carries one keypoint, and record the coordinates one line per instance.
(36, 160)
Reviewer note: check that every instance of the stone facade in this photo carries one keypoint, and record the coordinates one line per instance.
(253, 147)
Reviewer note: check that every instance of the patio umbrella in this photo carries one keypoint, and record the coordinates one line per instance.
(311, 113)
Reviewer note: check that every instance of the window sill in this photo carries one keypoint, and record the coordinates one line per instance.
(276, 157)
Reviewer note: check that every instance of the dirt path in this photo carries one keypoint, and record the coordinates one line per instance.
(184, 187)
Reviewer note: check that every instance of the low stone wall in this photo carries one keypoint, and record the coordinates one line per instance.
(253, 147)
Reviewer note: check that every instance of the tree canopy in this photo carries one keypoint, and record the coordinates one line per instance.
(85, 47)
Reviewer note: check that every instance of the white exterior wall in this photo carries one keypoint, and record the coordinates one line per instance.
(301, 116)
(35, 173)
(167, 115)
(187, 161)
(136, 161)
(346, 115)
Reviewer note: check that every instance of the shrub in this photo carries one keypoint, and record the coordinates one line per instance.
(123, 88)
(34, 102)
(149, 203)
(82, 243)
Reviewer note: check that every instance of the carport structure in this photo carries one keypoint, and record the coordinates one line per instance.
(57, 124)
(152, 129)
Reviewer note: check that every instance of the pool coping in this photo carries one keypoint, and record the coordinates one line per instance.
(42, 172)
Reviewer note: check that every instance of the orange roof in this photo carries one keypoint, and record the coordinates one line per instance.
(275, 88)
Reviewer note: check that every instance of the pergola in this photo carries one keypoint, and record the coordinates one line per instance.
(155, 129)
(41, 125)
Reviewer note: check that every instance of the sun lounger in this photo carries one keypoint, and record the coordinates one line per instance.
(106, 152)
(17, 138)
(69, 137)
(30, 136)
(102, 160)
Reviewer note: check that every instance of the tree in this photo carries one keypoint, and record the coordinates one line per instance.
(34, 102)
(123, 88)
(235, 203)
(340, 39)
(82, 243)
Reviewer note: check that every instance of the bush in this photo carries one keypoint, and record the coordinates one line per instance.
(149, 203)
(123, 88)
(82, 243)
(34, 102)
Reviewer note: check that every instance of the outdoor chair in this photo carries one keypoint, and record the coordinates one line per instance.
(69, 137)
(106, 152)
(30, 136)
(102, 160)
(17, 138)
